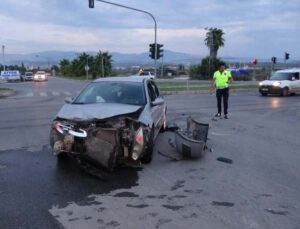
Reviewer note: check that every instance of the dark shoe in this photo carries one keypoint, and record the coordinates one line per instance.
(218, 115)
(226, 116)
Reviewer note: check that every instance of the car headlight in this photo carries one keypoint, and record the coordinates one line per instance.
(276, 84)
(260, 83)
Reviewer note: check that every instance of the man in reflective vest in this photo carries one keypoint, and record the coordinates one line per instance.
(220, 81)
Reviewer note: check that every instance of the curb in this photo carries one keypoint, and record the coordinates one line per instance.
(7, 93)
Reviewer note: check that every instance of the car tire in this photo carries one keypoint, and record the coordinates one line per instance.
(263, 94)
(147, 158)
(285, 92)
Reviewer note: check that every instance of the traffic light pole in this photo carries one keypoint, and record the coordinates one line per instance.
(142, 11)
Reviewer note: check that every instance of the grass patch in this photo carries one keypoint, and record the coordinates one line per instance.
(201, 87)
(5, 89)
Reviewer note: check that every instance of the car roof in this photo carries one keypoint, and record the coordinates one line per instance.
(290, 70)
(134, 78)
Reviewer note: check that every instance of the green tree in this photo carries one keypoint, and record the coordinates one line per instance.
(204, 70)
(214, 40)
(103, 64)
(65, 67)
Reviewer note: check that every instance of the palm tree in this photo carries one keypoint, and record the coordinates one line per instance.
(214, 40)
(103, 64)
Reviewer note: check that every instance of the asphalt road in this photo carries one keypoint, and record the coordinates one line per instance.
(260, 189)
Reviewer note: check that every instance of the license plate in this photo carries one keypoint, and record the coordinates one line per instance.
(264, 89)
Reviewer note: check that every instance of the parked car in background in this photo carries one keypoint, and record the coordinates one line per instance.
(40, 76)
(283, 82)
(28, 76)
(113, 121)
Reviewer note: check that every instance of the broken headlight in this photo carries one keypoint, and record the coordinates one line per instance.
(138, 144)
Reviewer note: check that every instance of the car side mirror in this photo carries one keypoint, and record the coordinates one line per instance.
(293, 78)
(158, 101)
(68, 100)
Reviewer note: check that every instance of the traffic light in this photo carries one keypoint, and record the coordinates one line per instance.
(160, 51)
(91, 3)
(286, 56)
(273, 59)
(152, 51)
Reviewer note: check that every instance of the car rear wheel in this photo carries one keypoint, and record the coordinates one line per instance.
(285, 92)
(147, 158)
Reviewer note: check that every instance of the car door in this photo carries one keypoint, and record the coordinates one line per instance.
(297, 81)
(161, 106)
(154, 109)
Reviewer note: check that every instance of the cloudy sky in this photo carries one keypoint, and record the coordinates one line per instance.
(256, 28)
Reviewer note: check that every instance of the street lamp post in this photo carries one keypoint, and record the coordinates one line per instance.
(142, 11)
(3, 47)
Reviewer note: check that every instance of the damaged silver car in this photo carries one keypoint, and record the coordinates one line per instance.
(112, 121)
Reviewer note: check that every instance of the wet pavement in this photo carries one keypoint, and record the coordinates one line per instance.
(258, 189)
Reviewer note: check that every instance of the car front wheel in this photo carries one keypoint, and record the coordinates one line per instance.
(285, 92)
(264, 94)
(147, 158)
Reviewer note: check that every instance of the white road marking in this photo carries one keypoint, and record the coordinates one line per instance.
(43, 94)
(55, 93)
(29, 94)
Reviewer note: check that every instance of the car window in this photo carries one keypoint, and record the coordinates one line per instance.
(155, 89)
(296, 76)
(112, 92)
(151, 91)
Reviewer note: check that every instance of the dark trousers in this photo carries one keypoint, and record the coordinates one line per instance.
(222, 93)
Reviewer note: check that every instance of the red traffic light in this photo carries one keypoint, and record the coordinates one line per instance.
(254, 61)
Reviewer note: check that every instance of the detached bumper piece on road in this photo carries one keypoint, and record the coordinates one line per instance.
(108, 143)
(191, 143)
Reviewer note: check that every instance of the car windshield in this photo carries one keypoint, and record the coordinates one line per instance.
(28, 74)
(282, 76)
(112, 92)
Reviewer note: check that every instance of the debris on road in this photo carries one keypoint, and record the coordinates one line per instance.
(225, 160)
(225, 204)
(277, 212)
(192, 142)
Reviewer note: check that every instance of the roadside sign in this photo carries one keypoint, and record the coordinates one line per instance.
(86, 68)
(10, 75)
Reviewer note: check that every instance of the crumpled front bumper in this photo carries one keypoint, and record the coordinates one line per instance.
(106, 147)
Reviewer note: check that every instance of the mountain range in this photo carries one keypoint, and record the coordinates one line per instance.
(119, 59)
(49, 58)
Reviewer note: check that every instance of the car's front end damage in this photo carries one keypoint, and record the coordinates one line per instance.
(107, 142)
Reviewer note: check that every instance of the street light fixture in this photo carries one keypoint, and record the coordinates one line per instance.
(91, 5)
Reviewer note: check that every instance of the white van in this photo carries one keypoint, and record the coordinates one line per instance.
(11, 76)
(283, 82)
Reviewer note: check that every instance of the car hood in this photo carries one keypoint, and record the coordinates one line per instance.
(270, 82)
(85, 112)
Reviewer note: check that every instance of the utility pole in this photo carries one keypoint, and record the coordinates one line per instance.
(162, 67)
(91, 4)
(102, 65)
(3, 47)
(87, 68)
